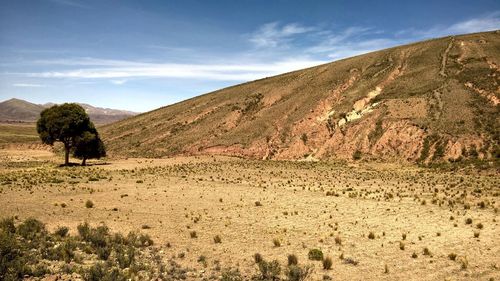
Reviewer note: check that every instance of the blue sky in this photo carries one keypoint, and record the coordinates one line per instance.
(140, 55)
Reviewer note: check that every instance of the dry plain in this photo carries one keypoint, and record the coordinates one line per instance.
(376, 221)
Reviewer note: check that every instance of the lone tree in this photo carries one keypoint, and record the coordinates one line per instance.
(66, 123)
(89, 146)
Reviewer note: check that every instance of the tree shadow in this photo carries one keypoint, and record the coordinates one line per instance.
(86, 165)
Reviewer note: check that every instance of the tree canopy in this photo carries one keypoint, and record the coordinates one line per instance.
(69, 123)
(89, 146)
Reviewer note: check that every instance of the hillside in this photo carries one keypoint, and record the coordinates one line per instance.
(24, 111)
(19, 110)
(428, 101)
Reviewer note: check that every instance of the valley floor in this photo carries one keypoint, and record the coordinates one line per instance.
(366, 217)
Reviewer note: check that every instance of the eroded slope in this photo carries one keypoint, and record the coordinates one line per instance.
(428, 101)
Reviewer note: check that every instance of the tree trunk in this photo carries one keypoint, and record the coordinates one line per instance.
(83, 161)
(66, 155)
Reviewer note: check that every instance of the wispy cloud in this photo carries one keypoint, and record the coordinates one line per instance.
(72, 3)
(273, 34)
(322, 45)
(117, 70)
(351, 41)
(486, 22)
(27, 85)
(359, 40)
(118, 82)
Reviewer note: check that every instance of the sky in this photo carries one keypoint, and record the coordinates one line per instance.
(141, 55)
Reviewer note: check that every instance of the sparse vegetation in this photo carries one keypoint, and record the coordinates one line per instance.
(315, 255)
(292, 260)
(217, 239)
(25, 247)
(327, 263)
(89, 204)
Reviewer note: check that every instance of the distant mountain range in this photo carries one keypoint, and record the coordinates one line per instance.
(24, 111)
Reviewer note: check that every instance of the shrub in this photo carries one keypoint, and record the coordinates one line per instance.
(61, 231)
(125, 255)
(144, 240)
(269, 270)
(356, 155)
(297, 273)
(231, 275)
(468, 221)
(7, 225)
(203, 260)
(427, 252)
(452, 256)
(303, 138)
(13, 264)
(65, 252)
(315, 254)
(371, 235)
(338, 240)
(292, 259)
(327, 263)
(257, 258)
(193, 234)
(276, 242)
(31, 228)
(89, 204)
(83, 230)
(464, 263)
(350, 261)
(217, 239)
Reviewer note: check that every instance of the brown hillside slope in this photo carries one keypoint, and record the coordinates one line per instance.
(432, 100)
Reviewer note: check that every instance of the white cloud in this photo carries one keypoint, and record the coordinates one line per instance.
(27, 85)
(316, 46)
(71, 3)
(360, 40)
(487, 22)
(273, 34)
(118, 82)
(117, 70)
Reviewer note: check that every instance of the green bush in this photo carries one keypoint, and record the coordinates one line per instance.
(24, 252)
(269, 270)
(31, 228)
(315, 254)
(13, 265)
(297, 273)
(62, 252)
(61, 231)
(231, 275)
(7, 225)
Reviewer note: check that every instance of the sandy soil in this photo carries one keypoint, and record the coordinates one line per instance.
(169, 198)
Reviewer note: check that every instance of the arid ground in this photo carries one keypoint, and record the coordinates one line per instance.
(376, 221)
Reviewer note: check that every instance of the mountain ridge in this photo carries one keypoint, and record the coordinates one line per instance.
(15, 109)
